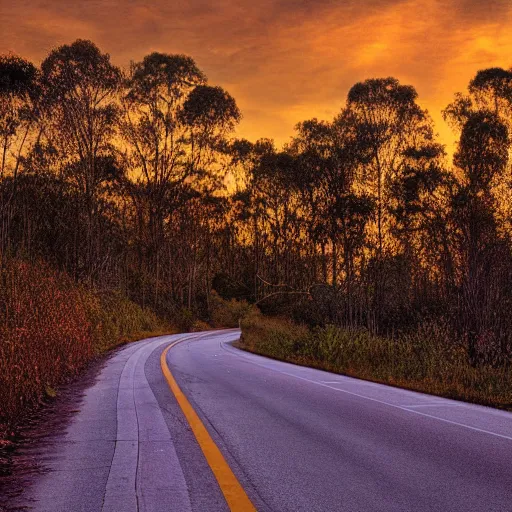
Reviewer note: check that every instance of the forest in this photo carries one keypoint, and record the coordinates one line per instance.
(128, 189)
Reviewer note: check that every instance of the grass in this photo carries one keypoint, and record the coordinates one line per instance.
(428, 360)
(50, 329)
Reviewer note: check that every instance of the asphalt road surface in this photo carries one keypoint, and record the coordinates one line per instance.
(295, 439)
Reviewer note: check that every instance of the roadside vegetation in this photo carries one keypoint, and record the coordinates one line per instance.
(128, 205)
(50, 329)
(428, 360)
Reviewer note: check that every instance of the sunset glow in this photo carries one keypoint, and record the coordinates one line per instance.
(285, 61)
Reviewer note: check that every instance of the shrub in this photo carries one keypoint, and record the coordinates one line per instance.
(228, 313)
(45, 335)
(199, 326)
(50, 328)
(184, 320)
(114, 318)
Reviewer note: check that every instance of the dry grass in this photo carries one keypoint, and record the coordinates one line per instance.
(427, 361)
(50, 329)
(228, 313)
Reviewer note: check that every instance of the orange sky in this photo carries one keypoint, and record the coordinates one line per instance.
(284, 60)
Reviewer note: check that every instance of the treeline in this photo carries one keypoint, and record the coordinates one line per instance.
(131, 180)
(362, 221)
(114, 177)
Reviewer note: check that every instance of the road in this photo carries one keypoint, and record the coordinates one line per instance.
(294, 438)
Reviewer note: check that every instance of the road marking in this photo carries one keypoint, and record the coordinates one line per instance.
(401, 407)
(235, 496)
(434, 405)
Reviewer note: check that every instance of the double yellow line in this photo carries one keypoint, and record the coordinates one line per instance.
(235, 496)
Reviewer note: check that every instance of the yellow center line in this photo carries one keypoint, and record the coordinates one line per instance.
(235, 496)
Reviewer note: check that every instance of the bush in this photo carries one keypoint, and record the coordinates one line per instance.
(228, 313)
(114, 319)
(45, 335)
(184, 320)
(50, 328)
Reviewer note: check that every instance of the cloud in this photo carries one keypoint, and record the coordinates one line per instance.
(283, 60)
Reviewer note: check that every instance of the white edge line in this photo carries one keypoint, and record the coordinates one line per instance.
(402, 408)
(440, 404)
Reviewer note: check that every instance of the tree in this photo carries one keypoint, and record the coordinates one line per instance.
(154, 94)
(175, 127)
(18, 94)
(317, 183)
(388, 124)
(209, 113)
(80, 86)
(482, 156)
(489, 90)
(388, 121)
(492, 90)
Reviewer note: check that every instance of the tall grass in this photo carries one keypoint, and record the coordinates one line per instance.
(115, 319)
(50, 328)
(427, 360)
(228, 313)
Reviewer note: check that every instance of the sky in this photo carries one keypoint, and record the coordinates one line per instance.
(284, 61)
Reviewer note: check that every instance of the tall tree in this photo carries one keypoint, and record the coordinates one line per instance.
(18, 96)
(80, 85)
(210, 114)
(492, 90)
(482, 156)
(388, 123)
(155, 91)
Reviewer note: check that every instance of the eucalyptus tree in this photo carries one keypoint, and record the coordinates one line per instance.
(491, 89)
(156, 147)
(18, 92)
(249, 206)
(481, 205)
(267, 215)
(422, 224)
(175, 128)
(155, 92)
(80, 112)
(482, 157)
(312, 146)
(338, 212)
(388, 121)
(18, 98)
(209, 114)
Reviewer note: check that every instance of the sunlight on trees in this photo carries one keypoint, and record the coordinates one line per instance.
(132, 181)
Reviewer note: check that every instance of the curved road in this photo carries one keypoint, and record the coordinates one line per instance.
(296, 439)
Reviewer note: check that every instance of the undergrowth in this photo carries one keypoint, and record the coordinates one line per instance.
(427, 360)
(50, 328)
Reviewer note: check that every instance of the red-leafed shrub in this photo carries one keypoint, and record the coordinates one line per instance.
(45, 336)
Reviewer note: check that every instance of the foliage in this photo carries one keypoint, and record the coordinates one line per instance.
(130, 182)
(45, 333)
(50, 328)
(114, 319)
(228, 313)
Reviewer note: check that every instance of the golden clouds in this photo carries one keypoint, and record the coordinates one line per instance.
(285, 60)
